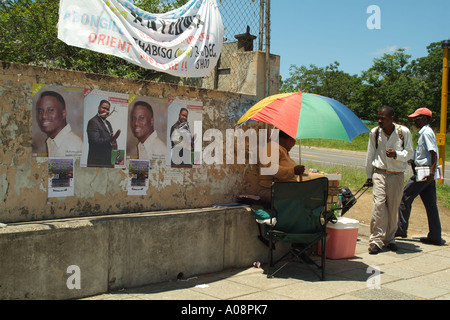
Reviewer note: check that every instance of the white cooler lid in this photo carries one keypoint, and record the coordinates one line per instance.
(344, 223)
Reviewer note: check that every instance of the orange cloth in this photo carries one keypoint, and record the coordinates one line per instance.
(285, 172)
(285, 168)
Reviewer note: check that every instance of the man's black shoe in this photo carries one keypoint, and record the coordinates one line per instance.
(374, 249)
(433, 242)
(399, 235)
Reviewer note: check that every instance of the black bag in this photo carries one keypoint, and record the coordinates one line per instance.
(348, 199)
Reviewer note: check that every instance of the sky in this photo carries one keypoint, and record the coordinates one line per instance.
(319, 32)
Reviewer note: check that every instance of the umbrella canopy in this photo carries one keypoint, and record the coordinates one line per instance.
(307, 116)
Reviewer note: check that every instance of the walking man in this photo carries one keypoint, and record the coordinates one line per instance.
(426, 155)
(388, 152)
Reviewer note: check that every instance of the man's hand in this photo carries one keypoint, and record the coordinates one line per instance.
(369, 183)
(428, 178)
(114, 137)
(391, 153)
(299, 170)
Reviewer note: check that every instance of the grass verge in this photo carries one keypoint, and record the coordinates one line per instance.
(354, 178)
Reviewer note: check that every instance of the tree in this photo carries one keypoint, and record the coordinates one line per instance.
(404, 85)
(328, 81)
(389, 84)
(428, 70)
(392, 80)
(28, 30)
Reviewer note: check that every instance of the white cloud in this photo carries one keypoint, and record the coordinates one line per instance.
(388, 49)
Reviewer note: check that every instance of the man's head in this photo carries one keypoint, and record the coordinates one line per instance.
(142, 121)
(421, 117)
(103, 109)
(51, 113)
(286, 141)
(386, 117)
(183, 115)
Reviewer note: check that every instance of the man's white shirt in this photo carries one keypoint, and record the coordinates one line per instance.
(152, 148)
(65, 144)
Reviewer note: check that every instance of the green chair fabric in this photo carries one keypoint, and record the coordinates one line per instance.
(300, 210)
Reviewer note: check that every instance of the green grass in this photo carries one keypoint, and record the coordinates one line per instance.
(359, 143)
(354, 178)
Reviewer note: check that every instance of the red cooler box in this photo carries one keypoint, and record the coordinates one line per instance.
(341, 239)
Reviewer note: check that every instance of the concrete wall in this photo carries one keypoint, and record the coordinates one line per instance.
(101, 191)
(245, 72)
(121, 251)
(112, 239)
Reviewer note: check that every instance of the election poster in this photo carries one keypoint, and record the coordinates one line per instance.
(105, 129)
(147, 128)
(185, 42)
(138, 177)
(184, 147)
(57, 126)
(60, 177)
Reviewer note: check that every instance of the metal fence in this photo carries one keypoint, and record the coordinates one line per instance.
(237, 15)
(245, 19)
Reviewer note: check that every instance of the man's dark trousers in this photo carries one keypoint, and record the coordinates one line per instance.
(427, 192)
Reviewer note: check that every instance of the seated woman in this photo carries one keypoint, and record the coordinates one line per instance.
(288, 170)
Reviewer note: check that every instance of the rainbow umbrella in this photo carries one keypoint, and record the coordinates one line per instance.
(307, 116)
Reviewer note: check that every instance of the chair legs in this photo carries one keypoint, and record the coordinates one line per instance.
(298, 255)
(323, 244)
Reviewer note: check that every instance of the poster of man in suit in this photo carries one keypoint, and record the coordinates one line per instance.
(184, 134)
(105, 128)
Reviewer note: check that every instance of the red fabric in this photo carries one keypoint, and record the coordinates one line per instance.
(271, 114)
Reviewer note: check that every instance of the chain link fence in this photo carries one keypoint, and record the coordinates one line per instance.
(244, 19)
(237, 15)
(241, 19)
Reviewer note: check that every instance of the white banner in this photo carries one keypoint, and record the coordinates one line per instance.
(185, 42)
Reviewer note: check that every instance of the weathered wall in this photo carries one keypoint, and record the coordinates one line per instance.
(100, 191)
(122, 251)
(245, 72)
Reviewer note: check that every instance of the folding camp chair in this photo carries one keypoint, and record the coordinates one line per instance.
(301, 212)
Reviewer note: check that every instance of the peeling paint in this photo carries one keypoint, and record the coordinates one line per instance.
(24, 179)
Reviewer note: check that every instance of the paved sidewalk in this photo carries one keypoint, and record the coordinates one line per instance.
(416, 272)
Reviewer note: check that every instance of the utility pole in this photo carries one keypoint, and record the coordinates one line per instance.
(268, 48)
(441, 138)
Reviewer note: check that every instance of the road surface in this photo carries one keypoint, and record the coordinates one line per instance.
(342, 157)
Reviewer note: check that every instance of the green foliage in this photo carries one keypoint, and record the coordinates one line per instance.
(352, 177)
(28, 33)
(360, 142)
(355, 177)
(392, 80)
(328, 81)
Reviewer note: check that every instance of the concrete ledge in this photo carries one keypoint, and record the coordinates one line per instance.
(121, 251)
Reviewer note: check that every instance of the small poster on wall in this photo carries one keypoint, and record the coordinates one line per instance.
(138, 177)
(60, 177)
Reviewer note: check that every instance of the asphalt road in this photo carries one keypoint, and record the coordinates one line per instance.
(342, 157)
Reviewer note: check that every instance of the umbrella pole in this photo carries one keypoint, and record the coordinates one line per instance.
(299, 151)
(300, 155)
